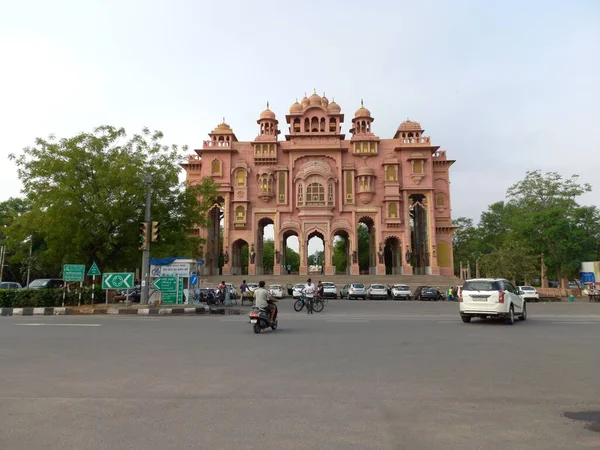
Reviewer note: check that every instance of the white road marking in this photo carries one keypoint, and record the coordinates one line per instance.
(347, 320)
(59, 324)
(140, 319)
(576, 322)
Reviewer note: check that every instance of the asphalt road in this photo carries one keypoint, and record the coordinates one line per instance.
(361, 375)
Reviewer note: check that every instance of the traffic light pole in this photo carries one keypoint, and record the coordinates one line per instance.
(145, 294)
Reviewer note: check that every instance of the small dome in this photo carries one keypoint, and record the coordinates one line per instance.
(305, 102)
(324, 101)
(409, 125)
(315, 99)
(362, 111)
(223, 128)
(267, 114)
(365, 171)
(333, 108)
(296, 107)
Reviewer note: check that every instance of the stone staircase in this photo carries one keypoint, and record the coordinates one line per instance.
(340, 280)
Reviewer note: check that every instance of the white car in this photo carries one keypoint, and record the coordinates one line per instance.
(329, 290)
(529, 293)
(297, 291)
(377, 291)
(252, 286)
(491, 298)
(401, 292)
(276, 290)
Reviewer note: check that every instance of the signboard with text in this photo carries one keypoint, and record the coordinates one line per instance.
(73, 272)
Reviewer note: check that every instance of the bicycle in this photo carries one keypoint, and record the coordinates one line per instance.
(317, 304)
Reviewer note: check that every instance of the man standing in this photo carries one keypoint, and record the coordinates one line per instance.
(262, 299)
(309, 292)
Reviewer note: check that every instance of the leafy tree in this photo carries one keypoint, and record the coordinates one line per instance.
(339, 256)
(292, 258)
(514, 261)
(466, 242)
(86, 196)
(268, 255)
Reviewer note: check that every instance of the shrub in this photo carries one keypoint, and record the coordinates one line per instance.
(45, 298)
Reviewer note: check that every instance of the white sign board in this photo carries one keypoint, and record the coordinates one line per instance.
(171, 270)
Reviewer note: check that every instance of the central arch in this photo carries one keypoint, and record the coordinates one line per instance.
(367, 253)
(265, 260)
(315, 251)
(340, 254)
(214, 242)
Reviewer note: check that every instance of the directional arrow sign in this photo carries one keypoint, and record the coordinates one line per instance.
(117, 280)
(73, 272)
(165, 284)
(94, 270)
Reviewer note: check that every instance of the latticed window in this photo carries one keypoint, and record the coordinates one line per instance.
(241, 178)
(390, 173)
(240, 213)
(330, 194)
(315, 194)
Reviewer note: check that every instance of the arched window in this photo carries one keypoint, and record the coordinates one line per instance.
(306, 125)
(215, 167)
(330, 194)
(390, 173)
(315, 194)
(240, 213)
(300, 195)
(393, 211)
(240, 178)
(440, 199)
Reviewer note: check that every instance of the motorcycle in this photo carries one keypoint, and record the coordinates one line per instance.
(259, 318)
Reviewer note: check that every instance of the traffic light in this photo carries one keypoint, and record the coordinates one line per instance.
(155, 231)
(143, 235)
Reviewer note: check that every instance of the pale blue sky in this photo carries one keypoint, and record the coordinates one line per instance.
(503, 86)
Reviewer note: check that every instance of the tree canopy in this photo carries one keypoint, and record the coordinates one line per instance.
(540, 216)
(84, 199)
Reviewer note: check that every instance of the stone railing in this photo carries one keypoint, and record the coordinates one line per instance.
(441, 154)
(413, 140)
(217, 144)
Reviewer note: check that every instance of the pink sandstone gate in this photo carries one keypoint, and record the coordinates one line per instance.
(318, 182)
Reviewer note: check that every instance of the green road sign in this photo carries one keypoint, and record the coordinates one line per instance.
(73, 272)
(117, 280)
(165, 284)
(94, 270)
(175, 296)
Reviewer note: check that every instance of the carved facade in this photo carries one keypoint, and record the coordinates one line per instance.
(316, 182)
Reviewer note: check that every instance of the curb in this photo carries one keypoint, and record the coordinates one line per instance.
(197, 310)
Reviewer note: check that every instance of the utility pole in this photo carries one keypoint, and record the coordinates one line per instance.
(145, 294)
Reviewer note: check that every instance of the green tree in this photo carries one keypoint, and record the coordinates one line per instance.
(466, 242)
(363, 247)
(339, 256)
(87, 193)
(292, 258)
(514, 261)
(268, 255)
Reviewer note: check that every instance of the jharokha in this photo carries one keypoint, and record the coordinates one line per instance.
(317, 182)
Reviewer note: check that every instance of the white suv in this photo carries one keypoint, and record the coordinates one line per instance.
(491, 297)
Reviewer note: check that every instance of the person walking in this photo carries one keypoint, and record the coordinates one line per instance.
(309, 292)
(243, 290)
(450, 293)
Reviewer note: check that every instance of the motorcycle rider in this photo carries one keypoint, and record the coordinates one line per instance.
(263, 299)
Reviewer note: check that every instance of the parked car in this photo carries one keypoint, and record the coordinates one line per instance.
(10, 285)
(276, 290)
(329, 290)
(46, 283)
(252, 286)
(430, 293)
(417, 294)
(491, 298)
(354, 290)
(530, 294)
(377, 291)
(400, 292)
(297, 291)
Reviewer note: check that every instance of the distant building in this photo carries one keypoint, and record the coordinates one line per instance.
(318, 183)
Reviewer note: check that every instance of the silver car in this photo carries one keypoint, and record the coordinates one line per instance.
(355, 290)
(276, 290)
(297, 291)
(329, 290)
(401, 292)
(377, 291)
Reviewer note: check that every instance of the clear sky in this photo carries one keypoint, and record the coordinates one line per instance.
(503, 86)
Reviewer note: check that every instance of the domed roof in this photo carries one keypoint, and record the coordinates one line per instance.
(305, 101)
(409, 125)
(365, 171)
(324, 101)
(333, 108)
(222, 128)
(296, 107)
(362, 111)
(267, 114)
(314, 99)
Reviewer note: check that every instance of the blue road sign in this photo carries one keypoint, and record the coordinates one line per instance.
(193, 279)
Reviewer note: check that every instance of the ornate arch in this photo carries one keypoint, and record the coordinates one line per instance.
(317, 168)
